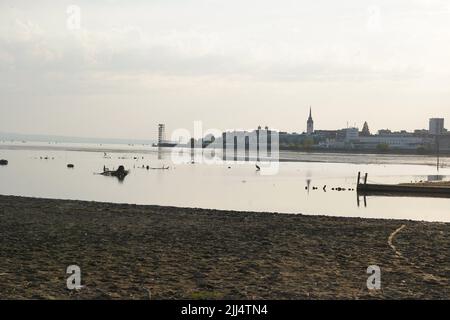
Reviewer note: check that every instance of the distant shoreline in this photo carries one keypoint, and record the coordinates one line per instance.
(142, 252)
(150, 149)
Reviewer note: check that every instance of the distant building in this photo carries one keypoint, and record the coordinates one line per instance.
(436, 126)
(351, 134)
(384, 132)
(310, 123)
(327, 134)
(422, 133)
(365, 130)
(391, 141)
(444, 143)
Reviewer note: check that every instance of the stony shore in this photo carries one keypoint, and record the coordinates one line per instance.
(142, 252)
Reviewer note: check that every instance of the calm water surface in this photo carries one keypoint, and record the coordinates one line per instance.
(235, 186)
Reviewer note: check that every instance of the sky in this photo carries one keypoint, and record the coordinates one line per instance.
(115, 69)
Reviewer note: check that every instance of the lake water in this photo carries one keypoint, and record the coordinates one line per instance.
(230, 186)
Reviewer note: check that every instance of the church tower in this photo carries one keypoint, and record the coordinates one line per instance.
(310, 123)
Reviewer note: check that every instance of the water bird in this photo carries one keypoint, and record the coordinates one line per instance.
(70, 166)
(3, 162)
(257, 167)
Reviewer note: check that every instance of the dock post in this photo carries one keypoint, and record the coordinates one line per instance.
(192, 145)
(359, 177)
(247, 148)
(224, 146)
(235, 143)
(365, 178)
(257, 144)
(437, 151)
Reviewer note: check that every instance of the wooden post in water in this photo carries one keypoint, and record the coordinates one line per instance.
(438, 151)
(365, 178)
(257, 143)
(224, 146)
(359, 177)
(235, 147)
(247, 148)
(192, 142)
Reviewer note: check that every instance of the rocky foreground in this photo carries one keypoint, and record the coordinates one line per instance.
(150, 252)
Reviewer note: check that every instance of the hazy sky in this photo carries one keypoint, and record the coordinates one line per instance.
(229, 63)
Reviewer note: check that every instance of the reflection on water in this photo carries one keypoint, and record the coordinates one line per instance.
(437, 177)
(298, 187)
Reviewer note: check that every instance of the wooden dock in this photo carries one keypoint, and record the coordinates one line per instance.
(401, 189)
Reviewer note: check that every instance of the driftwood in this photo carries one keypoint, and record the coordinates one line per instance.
(162, 168)
(120, 173)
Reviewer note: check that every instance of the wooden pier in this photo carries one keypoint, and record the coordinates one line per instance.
(405, 190)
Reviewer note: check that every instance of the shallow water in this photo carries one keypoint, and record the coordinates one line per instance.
(230, 186)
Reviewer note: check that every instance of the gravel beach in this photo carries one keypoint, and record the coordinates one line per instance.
(152, 252)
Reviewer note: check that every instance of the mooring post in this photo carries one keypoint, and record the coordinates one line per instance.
(437, 151)
(365, 178)
(257, 144)
(235, 144)
(224, 146)
(247, 148)
(359, 177)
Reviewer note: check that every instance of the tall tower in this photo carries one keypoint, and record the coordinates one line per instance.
(161, 133)
(310, 123)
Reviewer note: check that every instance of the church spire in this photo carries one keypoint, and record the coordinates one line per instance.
(310, 123)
